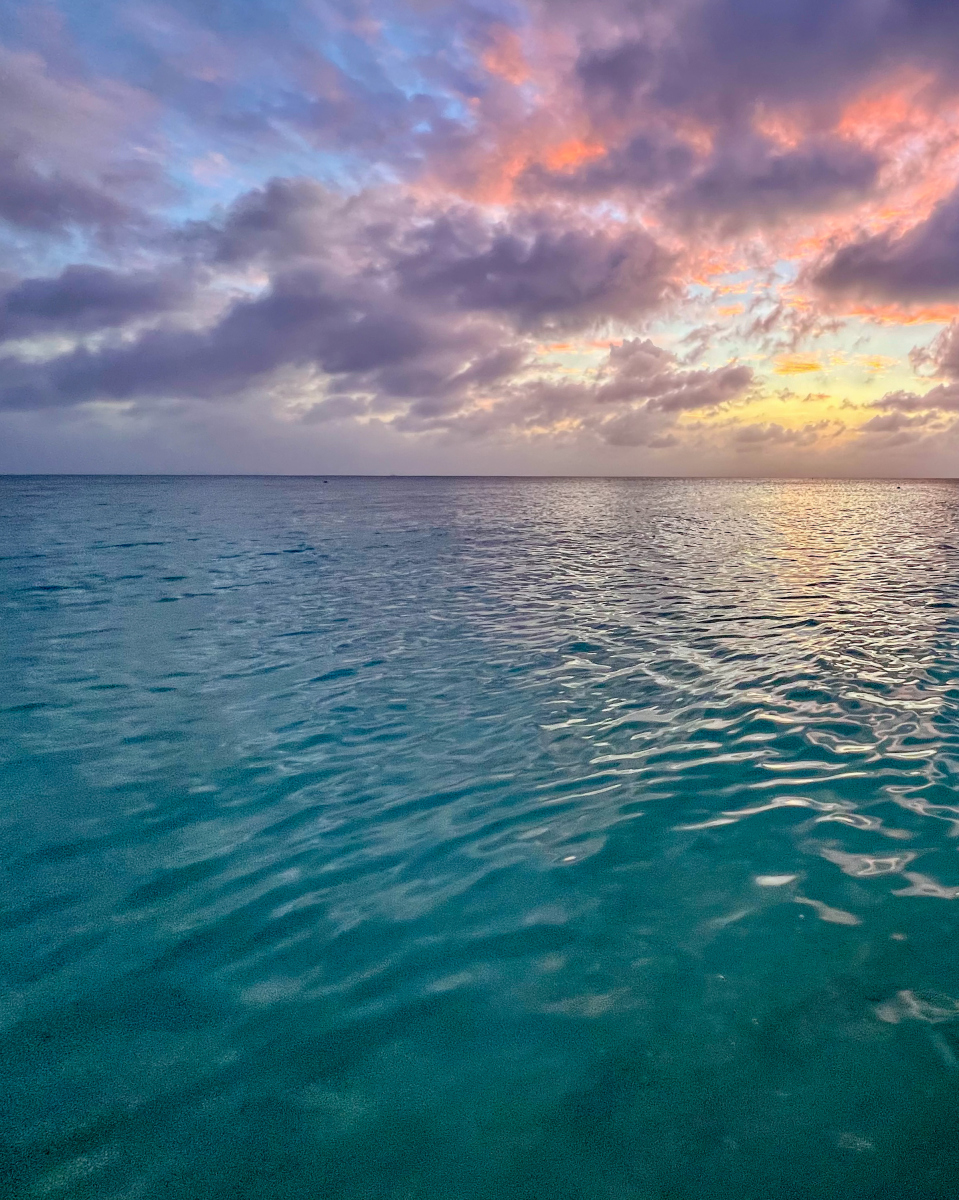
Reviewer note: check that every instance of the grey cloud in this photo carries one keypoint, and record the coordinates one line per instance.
(743, 183)
(389, 299)
(645, 163)
(634, 400)
(537, 268)
(639, 370)
(757, 436)
(943, 354)
(296, 323)
(749, 184)
(638, 358)
(637, 428)
(718, 58)
(907, 410)
(944, 397)
(921, 264)
(705, 389)
(285, 220)
(65, 161)
(615, 74)
(643, 69)
(893, 422)
(902, 401)
(84, 299)
(51, 203)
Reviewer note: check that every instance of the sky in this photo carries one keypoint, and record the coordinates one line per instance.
(623, 237)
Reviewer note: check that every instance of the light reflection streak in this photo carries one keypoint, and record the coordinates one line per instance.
(866, 866)
(925, 885)
(834, 916)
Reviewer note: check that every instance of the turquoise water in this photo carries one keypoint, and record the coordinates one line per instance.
(482, 839)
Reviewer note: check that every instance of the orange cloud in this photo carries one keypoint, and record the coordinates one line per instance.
(917, 133)
(571, 153)
(580, 347)
(877, 363)
(505, 57)
(491, 177)
(783, 129)
(887, 109)
(705, 260)
(896, 314)
(796, 364)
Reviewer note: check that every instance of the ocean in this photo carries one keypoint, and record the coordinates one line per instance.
(481, 839)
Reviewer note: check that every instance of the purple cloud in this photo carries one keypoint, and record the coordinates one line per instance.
(921, 264)
(391, 299)
(66, 159)
(86, 299)
(492, 179)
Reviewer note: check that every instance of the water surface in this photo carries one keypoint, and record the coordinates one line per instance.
(481, 839)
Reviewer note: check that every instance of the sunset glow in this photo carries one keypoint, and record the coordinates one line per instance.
(423, 238)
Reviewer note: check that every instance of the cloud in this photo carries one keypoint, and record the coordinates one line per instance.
(749, 184)
(377, 295)
(920, 264)
(73, 155)
(635, 398)
(379, 308)
(762, 435)
(699, 111)
(718, 58)
(943, 359)
(539, 268)
(296, 323)
(942, 398)
(893, 422)
(87, 299)
(638, 370)
(538, 272)
(643, 165)
(374, 215)
(742, 183)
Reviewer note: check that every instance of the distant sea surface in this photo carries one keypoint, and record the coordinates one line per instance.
(479, 839)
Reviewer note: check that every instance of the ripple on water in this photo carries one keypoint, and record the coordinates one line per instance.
(480, 838)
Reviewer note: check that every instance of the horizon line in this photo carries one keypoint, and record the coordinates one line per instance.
(326, 475)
